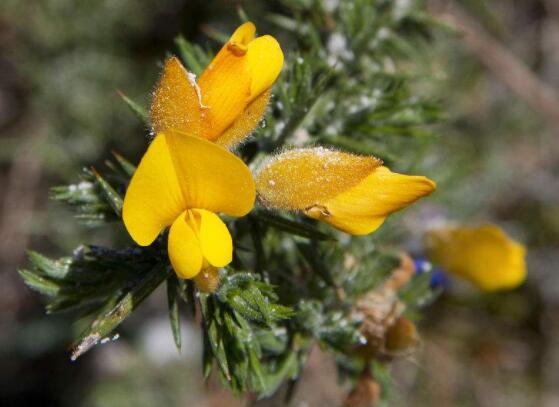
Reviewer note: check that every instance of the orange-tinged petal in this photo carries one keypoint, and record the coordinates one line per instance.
(245, 123)
(215, 239)
(154, 198)
(353, 193)
(483, 255)
(211, 177)
(176, 101)
(362, 209)
(225, 87)
(184, 248)
(241, 71)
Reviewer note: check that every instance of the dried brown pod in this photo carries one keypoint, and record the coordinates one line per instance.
(401, 337)
(380, 310)
(366, 393)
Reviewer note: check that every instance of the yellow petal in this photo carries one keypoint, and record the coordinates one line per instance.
(353, 193)
(363, 208)
(245, 123)
(265, 59)
(153, 199)
(184, 248)
(241, 71)
(225, 87)
(242, 36)
(176, 101)
(483, 255)
(211, 177)
(215, 239)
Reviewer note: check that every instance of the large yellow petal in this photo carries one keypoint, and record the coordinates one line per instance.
(211, 177)
(363, 208)
(483, 255)
(153, 199)
(184, 248)
(241, 71)
(176, 101)
(215, 239)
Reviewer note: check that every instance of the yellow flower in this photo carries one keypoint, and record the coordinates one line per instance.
(483, 255)
(186, 176)
(352, 193)
(231, 95)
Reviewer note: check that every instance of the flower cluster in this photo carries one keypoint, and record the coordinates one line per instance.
(188, 175)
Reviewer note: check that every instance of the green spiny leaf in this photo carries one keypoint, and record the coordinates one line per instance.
(174, 314)
(113, 198)
(54, 269)
(104, 324)
(292, 226)
(40, 284)
(192, 55)
(135, 107)
(126, 165)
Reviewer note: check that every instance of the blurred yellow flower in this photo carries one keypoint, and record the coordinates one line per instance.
(483, 255)
(352, 193)
(186, 176)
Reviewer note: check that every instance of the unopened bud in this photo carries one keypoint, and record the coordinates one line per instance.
(207, 280)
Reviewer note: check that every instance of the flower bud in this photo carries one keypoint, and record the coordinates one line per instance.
(207, 280)
(350, 192)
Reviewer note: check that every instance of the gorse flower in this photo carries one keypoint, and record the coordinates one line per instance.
(231, 95)
(351, 192)
(187, 176)
(483, 255)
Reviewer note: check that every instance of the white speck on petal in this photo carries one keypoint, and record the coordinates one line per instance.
(192, 79)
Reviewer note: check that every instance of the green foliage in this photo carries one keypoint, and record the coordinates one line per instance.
(293, 282)
(347, 88)
(135, 107)
(193, 56)
(238, 321)
(173, 302)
